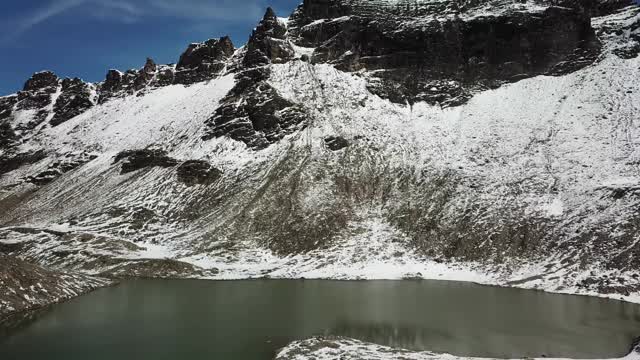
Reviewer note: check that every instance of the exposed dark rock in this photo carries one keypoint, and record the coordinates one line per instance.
(7, 136)
(73, 101)
(145, 75)
(594, 7)
(10, 162)
(314, 22)
(254, 112)
(635, 346)
(619, 193)
(165, 75)
(60, 167)
(111, 85)
(37, 94)
(268, 43)
(6, 106)
(119, 84)
(335, 143)
(441, 51)
(622, 33)
(45, 80)
(133, 160)
(194, 172)
(628, 52)
(203, 61)
(158, 268)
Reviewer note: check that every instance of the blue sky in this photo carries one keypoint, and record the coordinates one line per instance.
(85, 38)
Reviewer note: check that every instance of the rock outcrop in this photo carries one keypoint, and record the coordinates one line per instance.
(65, 164)
(268, 42)
(335, 143)
(440, 52)
(133, 160)
(119, 84)
(198, 172)
(254, 112)
(621, 32)
(203, 61)
(76, 97)
(6, 106)
(7, 135)
(37, 95)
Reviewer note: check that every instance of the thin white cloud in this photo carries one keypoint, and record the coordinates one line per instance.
(207, 9)
(41, 15)
(124, 6)
(130, 11)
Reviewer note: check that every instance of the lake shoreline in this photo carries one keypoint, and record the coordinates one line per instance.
(385, 318)
(106, 279)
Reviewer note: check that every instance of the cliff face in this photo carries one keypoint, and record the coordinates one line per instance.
(493, 141)
(442, 52)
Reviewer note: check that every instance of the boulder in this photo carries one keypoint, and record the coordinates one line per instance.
(198, 172)
(335, 143)
(133, 160)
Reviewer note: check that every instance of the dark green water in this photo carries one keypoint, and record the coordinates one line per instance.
(164, 319)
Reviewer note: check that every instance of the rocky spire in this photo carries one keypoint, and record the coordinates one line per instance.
(269, 14)
(268, 43)
(150, 67)
(146, 74)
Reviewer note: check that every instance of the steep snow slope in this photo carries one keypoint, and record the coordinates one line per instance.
(541, 147)
(532, 184)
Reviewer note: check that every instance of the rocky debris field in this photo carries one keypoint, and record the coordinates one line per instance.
(25, 286)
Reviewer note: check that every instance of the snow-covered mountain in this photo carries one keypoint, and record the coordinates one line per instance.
(494, 141)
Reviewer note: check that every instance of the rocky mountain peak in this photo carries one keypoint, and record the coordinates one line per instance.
(37, 94)
(150, 67)
(75, 98)
(268, 43)
(203, 61)
(269, 15)
(41, 80)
